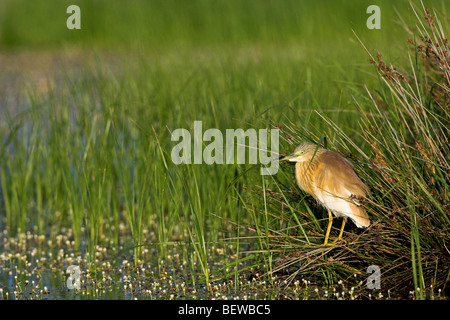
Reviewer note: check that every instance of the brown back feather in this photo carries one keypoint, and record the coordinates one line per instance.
(334, 174)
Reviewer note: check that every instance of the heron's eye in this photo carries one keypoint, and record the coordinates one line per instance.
(299, 153)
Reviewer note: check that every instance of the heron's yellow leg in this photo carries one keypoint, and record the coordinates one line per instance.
(341, 232)
(330, 222)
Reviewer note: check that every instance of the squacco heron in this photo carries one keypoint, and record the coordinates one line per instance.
(331, 180)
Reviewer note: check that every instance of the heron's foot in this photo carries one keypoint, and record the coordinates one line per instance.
(327, 244)
(334, 242)
(339, 239)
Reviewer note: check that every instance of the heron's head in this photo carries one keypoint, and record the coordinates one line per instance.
(303, 152)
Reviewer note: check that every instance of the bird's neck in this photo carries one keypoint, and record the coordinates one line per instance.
(303, 174)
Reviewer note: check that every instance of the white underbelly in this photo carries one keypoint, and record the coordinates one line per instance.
(338, 205)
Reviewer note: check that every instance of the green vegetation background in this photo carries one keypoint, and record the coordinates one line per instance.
(92, 149)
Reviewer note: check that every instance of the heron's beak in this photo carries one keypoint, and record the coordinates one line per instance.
(287, 157)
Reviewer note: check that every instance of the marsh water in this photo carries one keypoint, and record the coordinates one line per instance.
(35, 267)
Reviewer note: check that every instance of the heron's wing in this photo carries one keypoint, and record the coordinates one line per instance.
(335, 174)
(339, 188)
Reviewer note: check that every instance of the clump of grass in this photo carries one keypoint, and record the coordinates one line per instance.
(402, 154)
(410, 144)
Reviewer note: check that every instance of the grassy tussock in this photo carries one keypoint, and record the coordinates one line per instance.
(404, 159)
